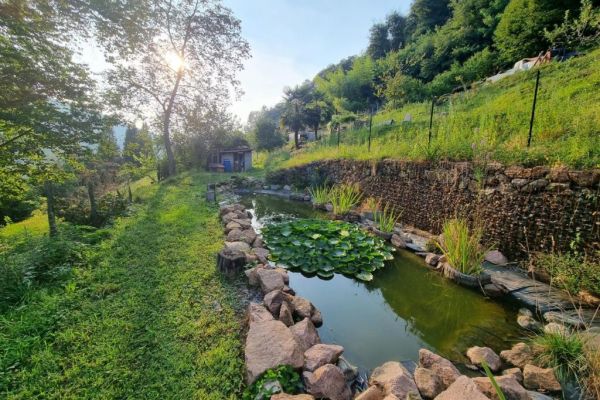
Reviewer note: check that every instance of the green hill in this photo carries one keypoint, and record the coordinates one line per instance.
(489, 122)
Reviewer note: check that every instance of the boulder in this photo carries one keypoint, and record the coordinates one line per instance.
(274, 299)
(443, 368)
(537, 378)
(495, 257)
(235, 235)
(478, 355)
(261, 253)
(243, 222)
(509, 385)
(316, 318)
(321, 354)
(250, 258)
(306, 334)
(516, 372)
(287, 188)
(248, 235)
(285, 314)
(350, 371)
(432, 259)
(231, 226)
(463, 388)
(284, 274)
(285, 396)
(519, 355)
(372, 393)
(238, 246)
(529, 323)
(251, 274)
(270, 344)
(428, 383)
(302, 307)
(258, 242)
(556, 329)
(327, 382)
(398, 242)
(538, 396)
(230, 216)
(394, 379)
(269, 280)
(258, 313)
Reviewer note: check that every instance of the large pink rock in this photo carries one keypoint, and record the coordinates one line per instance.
(321, 354)
(519, 355)
(478, 355)
(327, 382)
(270, 344)
(394, 379)
(372, 393)
(495, 257)
(305, 334)
(443, 368)
(285, 314)
(463, 388)
(509, 385)
(274, 299)
(302, 307)
(258, 313)
(537, 378)
(269, 280)
(429, 384)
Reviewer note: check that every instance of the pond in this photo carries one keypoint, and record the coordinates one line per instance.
(407, 306)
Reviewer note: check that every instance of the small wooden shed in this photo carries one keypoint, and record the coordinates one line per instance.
(234, 159)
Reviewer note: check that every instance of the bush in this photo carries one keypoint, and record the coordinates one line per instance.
(570, 272)
(562, 351)
(286, 376)
(462, 246)
(401, 89)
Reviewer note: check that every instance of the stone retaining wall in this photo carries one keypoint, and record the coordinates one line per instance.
(522, 208)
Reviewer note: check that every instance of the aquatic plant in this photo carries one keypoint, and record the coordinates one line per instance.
(344, 197)
(462, 246)
(370, 204)
(325, 247)
(387, 218)
(320, 194)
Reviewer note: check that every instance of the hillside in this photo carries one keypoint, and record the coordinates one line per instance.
(488, 122)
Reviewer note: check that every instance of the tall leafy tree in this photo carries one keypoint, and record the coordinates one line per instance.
(379, 41)
(426, 15)
(294, 117)
(266, 134)
(396, 25)
(182, 52)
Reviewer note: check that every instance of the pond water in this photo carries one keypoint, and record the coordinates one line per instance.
(406, 307)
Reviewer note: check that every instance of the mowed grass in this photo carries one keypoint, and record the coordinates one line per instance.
(148, 317)
(490, 122)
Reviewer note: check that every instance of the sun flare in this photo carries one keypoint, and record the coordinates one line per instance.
(174, 60)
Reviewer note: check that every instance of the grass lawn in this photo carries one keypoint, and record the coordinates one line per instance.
(146, 317)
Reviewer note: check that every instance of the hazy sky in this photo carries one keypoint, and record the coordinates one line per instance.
(292, 40)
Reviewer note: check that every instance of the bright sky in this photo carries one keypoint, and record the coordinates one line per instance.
(292, 40)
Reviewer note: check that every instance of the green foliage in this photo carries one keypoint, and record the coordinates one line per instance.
(426, 15)
(462, 246)
(562, 351)
(520, 32)
(401, 89)
(570, 272)
(344, 197)
(580, 32)
(387, 218)
(287, 377)
(325, 247)
(320, 194)
(266, 135)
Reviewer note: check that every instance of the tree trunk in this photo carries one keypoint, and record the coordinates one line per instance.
(296, 139)
(171, 165)
(93, 204)
(129, 192)
(316, 132)
(49, 189)
(231, 262)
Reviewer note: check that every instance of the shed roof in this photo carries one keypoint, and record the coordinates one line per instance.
(238, 149)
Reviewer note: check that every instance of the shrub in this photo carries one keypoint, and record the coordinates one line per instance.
(462, 246)
(570, 272)
(344, 197)
(387, 218)
(562, 351)
(286, 376)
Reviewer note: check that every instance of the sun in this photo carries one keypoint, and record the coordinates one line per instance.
(174, 60)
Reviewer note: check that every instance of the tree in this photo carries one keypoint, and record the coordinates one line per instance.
(396, 25)
(582, 32)
(520, 32)
(266, 135)
(379, 42)
(401, 89)
(181, 52)
(293, 117)
(426, 15)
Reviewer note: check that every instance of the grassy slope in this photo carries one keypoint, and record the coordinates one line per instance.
(489, 122)
(148, 318)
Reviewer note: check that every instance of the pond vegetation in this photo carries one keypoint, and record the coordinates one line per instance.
(324, 247)
(462, 246)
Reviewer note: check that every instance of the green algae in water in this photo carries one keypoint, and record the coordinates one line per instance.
(407, 306)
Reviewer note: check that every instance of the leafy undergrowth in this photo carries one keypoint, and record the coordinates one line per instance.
(326, 247)
(146, 316)
(489, 122)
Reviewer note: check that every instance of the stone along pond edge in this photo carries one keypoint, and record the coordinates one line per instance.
(282, 331)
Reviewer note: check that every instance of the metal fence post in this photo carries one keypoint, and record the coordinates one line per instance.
(370, 127)
(537, 84)
(431, 120)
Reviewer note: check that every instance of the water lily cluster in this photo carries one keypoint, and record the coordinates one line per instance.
(326, 247)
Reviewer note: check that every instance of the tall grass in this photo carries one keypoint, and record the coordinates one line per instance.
(562, 351)
(462, 246)
(344, 197)
(491, 121)
(387, 218)
(320, 194)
